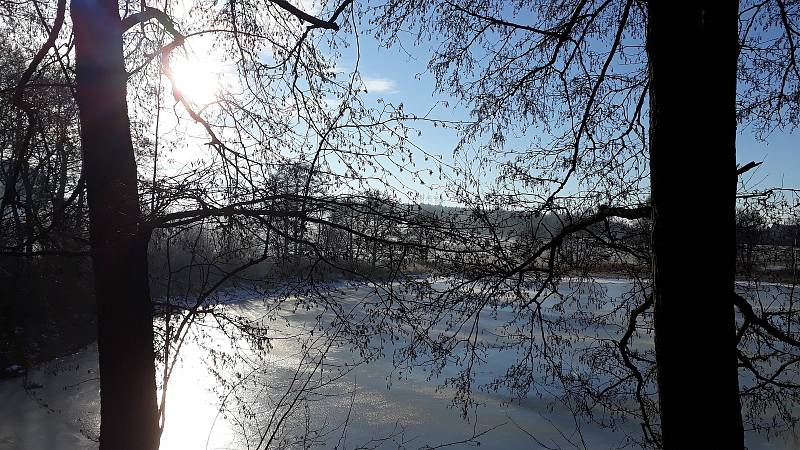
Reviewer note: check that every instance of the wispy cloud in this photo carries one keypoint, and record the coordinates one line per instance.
(377, 85)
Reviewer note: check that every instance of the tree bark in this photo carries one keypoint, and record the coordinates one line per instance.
(692, 48)
(129, 411)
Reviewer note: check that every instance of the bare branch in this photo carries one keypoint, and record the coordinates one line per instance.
(747, 311)
(302, 15)
(749, 166)
(150, 13)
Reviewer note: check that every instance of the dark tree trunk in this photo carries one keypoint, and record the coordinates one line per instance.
(30, 206)
(129, 413)
(692, 49)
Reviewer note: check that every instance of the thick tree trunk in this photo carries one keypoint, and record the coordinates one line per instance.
(692, 47)
(129, 413)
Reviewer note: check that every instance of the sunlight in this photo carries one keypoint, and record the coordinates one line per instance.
(198, 81)
(191, 406)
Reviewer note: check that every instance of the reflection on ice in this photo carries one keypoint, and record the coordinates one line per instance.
(306, 391)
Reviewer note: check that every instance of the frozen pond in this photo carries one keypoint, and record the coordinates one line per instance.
(330, 402)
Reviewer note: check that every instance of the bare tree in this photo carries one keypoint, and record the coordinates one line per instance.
(268, 142)
(604, 90)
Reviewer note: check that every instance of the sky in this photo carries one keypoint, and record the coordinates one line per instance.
(399, 75)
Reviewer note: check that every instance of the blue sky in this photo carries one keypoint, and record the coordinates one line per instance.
(400, 75)
(779, 152)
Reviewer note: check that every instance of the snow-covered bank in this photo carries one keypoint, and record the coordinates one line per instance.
(55, 406)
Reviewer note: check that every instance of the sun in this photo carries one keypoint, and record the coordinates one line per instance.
(196, 80)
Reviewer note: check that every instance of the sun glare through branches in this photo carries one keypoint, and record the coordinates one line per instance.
(199, 81)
